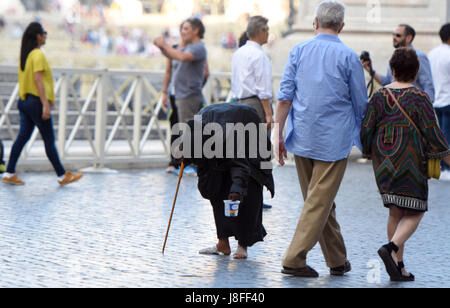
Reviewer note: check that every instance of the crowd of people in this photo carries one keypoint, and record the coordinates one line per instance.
(323, 102)
(128, 42)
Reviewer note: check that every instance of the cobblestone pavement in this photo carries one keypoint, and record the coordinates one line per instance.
(108, 230)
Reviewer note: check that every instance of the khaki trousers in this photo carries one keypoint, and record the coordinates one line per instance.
(320, 183)
(256, 104)
(188, 107)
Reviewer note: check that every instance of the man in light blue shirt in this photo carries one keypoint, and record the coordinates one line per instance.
(323, 96)
(403, 36)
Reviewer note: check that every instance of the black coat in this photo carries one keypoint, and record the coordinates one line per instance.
(220, 176)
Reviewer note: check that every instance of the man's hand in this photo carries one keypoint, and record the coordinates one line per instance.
(235, 197)
(269, 120)
(164, 99)
(366, 65)
(282, 152)
(159, 42)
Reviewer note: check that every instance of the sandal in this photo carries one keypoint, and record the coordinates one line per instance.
(385, 252)
(402, 277)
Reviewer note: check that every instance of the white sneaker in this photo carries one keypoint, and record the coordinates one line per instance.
(445, 175)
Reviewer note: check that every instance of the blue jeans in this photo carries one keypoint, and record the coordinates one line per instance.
(443, 115)
(31, 116)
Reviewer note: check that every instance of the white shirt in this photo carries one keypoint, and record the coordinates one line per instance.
(440, 68)
(251, 72)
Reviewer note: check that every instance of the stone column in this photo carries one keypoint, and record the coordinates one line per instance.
(448, 10)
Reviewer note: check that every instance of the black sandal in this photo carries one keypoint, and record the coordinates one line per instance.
(385, 252)
(402, 277)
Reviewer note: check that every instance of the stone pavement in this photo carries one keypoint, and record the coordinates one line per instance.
(108, 230)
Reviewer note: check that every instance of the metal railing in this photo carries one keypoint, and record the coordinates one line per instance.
(108, 115)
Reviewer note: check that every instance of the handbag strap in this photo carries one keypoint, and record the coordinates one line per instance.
(404, 112)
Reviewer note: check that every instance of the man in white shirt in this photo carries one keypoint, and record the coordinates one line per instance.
(251, 71)
(440, 68)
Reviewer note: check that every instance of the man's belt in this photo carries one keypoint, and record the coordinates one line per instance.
(245, 98)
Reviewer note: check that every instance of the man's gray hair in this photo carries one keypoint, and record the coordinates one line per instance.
(330, 15)
(255, 24)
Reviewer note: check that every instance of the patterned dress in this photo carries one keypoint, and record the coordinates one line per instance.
(398, 154)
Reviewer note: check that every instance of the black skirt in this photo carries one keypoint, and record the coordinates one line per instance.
(247, 227)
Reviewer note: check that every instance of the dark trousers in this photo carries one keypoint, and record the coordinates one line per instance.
(2, 153)
(247, 227)
(443, 115)
(30, 116)
(173, 119)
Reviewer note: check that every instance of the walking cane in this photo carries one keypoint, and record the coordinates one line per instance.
(180, 175)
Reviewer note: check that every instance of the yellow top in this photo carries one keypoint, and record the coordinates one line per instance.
(36, 62)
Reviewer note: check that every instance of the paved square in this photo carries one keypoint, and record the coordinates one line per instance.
(108, 230)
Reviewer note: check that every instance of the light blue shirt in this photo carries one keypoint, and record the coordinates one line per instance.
(424, 78)
(325, 81)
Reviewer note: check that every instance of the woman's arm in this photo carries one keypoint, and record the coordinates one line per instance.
(240, 173)
(437, 146)
(167, 76)
(38, 79)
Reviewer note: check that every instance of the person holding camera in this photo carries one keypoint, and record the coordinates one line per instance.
(403, 36)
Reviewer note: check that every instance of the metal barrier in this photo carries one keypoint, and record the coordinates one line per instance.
(108, 115)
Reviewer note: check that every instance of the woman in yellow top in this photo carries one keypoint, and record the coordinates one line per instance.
(36, 97)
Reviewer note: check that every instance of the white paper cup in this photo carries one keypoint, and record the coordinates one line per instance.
(231, 208)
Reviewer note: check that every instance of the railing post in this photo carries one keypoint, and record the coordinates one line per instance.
(137, 112)
(100, 121)
(62, 119)
(207, 91)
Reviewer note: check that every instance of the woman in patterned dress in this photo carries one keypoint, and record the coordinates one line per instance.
(399, 155)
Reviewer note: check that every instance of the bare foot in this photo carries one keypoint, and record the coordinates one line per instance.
(241, 253)
(224, 246)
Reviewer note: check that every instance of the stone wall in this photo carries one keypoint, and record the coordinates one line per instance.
(369, 26)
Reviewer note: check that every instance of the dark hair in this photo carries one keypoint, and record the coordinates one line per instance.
(409, 31)
(197, 24)
(404, 64)
(29, 41)
(243, 39)
(445, 33)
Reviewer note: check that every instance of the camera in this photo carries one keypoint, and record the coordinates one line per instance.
(365, 56)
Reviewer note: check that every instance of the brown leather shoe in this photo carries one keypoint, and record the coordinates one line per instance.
(341, 270)
(306, 271)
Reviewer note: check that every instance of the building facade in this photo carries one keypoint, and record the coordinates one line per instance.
(369, 25)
